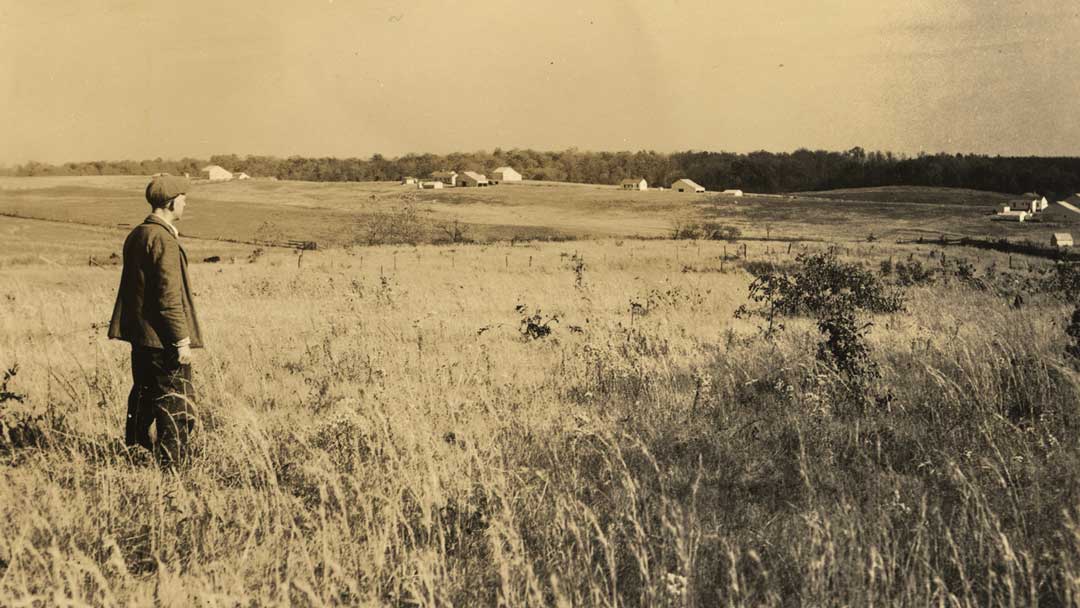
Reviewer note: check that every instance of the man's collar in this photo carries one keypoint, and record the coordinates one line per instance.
(157, 220)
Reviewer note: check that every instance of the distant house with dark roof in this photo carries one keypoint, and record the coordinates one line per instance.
(686, 185)
(472, 178)
(216, 173)
(447, 177)
(634, 183)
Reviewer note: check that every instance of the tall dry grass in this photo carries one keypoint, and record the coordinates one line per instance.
(377, 430)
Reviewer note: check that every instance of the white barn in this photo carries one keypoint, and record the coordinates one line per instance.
(505, 174)
(634, 183)
(472, 179)
(215, 173)
(686, 185)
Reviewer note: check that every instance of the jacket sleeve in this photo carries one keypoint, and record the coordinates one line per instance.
(168, 290)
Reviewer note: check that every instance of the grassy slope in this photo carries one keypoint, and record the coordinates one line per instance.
(375, 430)
(914, 194)
(31, 242)
(339, 213)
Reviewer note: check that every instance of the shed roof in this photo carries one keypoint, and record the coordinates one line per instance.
(688, 182)
(474, 175)
(1071, 203)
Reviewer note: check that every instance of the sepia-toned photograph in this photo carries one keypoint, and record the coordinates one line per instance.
(612, 303)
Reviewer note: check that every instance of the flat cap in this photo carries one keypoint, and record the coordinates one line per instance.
(164, 188)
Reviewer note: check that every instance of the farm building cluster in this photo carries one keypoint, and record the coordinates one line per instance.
(443, 179)
(680, 185)
(1034, 207)
(471, 179)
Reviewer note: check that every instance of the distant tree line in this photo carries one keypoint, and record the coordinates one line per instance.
(766, 172)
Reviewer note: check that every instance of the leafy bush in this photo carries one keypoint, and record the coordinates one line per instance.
(719, 232)
(1073, 331)
(835, 293)
(711, 231)
(394, 227)
(1065, 281)
(816, 284)
(912, 273)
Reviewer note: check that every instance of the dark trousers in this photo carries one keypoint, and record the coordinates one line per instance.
(161, 393)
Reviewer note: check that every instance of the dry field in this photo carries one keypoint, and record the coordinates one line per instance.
(341, 213)
(382, 426)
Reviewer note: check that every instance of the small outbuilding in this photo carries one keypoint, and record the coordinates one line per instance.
(634, 183)
(242, 176)
(472, 179)
(1011, 216)
(1061, 239)
(447, 177)
(405, 181)
(731, 192)
(686, 185)
(430, 185)
(216, 173)
(505, 174)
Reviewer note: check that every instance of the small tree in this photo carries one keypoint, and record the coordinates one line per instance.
(835, 293)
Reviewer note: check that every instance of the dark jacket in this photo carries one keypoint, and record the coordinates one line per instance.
(154, 306)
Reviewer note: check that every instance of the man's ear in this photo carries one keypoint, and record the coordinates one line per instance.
(172, 204)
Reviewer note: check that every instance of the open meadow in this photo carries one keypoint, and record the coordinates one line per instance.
(349, 213)
(575, 423)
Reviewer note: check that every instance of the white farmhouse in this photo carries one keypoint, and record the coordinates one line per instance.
(686, 185)
(634, 183)
(1038, 203)
(1030, 205)
(215, 173)
(505, 174)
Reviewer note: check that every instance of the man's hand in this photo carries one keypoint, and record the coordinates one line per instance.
(184, 354)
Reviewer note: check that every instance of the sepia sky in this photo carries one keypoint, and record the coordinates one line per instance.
(116, 79)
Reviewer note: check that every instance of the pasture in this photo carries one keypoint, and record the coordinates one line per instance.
(336, 214)
(534, 423)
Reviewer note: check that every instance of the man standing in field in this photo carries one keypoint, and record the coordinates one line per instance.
(155, 313)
